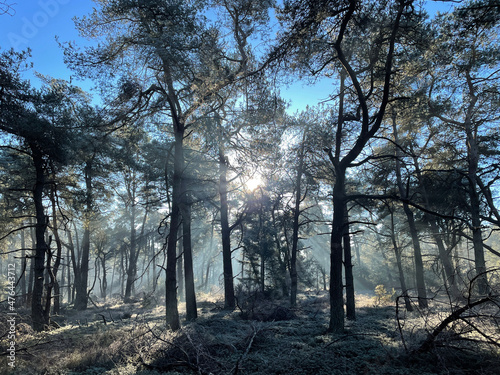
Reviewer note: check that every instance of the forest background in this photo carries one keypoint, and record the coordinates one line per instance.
(198, 171)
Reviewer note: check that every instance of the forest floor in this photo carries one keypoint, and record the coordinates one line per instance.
(267, 337)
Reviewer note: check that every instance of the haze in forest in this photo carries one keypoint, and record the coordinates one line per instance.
(208, 186)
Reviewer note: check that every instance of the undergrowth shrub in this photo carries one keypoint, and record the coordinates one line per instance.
(382, 296)
(261, 307)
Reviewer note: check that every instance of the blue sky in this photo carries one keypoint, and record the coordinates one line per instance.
(35, 24)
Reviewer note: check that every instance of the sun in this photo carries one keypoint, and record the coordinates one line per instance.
(254, 182)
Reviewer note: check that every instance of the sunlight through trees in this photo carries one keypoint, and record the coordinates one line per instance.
(194, 188)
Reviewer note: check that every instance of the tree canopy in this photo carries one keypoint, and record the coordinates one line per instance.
(193, 176)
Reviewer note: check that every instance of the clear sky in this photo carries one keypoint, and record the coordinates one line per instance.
(36, 23)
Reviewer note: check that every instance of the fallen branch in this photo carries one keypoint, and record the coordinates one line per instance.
(400, 325)
(455, 315)
(349, 335)
(247, 350)
(103, 318)
(25, 349)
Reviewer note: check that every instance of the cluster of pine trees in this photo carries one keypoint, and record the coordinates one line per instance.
(396, 173)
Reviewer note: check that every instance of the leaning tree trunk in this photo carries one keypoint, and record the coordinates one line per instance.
(444, 255)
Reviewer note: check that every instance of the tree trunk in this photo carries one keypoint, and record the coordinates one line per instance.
(31, 278)
(356, 250)
(207, 275)
(76, 268)
(296, 224)
(417, 252)
(336, 285)
(397, 252)
(191, 310)
(81, 298)
(38, 316)
(50, 280)
(339, 205)
(68, 268)
(151, 272)
(22, 282)
(229, 300)
(57, 262)
(113, 277)
(471, 132)
(180, 270)
(349, 278)
(293, 264)
(104, 284)
(477, 238)
(133, 255)
(171, 309)
(369, 127)
(443, 254)
(262, 272)
(63, 280)
(477, 241)
(121, 274)
(282, 256)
